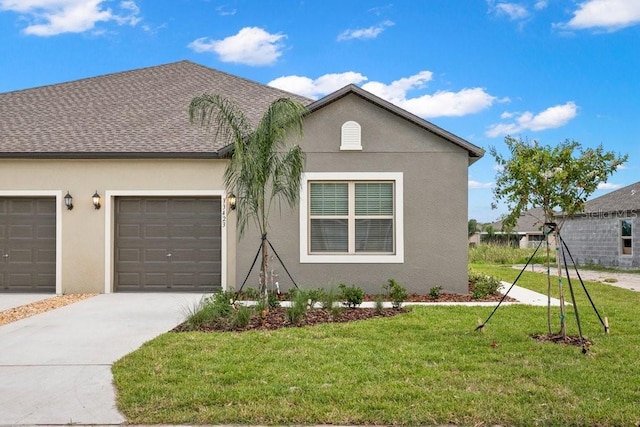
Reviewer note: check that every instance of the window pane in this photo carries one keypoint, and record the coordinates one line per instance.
(328, 198)
(626, 227)
(329, 235)
(374, 198)
(374, 235)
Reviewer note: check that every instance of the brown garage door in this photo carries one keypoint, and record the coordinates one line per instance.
(167, 244)
(27, 244)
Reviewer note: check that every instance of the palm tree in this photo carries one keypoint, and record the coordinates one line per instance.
(263, 170)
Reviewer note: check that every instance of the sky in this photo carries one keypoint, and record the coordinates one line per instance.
(543, 70)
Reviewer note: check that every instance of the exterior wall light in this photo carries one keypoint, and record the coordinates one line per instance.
(96, 200)
(231, 198)
(68, 201)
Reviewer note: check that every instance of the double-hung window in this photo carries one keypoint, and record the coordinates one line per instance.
(626, 235)
(351, 218)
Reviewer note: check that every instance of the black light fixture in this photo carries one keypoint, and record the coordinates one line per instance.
(231, 198)
(96, 200)
(68, 201)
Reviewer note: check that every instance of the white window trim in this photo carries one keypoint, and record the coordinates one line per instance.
(109, 215)
(397, 258)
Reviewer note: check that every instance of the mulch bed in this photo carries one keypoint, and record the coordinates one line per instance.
(559, 339)
(276, 317)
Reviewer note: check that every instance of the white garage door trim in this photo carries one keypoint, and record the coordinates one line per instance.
(47, 193)
(109, 214)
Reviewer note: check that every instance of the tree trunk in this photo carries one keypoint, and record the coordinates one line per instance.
(563, 328)
(548, 286)
(263, 275)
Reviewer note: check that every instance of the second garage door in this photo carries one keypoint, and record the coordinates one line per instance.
(167, 244)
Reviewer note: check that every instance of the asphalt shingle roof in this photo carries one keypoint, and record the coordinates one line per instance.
(134, 113)
(529, 221)
(624, 199)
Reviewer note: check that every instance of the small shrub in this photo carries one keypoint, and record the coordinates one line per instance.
(273, 300)
(352, 295)
(251, 294)
(331, 301)
(241, 317)
(435, 292)
(379, 304)
(397, 293)
(212, 310)
(314, 296)
(482, 285)
(298, 306)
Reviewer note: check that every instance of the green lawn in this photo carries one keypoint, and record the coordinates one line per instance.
(424, 367)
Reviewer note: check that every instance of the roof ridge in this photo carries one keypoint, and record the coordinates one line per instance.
(82, 79)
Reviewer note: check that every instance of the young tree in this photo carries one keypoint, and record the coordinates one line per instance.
(263, 170)
(557, 179)
(472, 227)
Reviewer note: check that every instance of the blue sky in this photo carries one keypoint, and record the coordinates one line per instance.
(542, 70)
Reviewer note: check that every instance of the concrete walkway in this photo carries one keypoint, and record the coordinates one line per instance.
(55, 368)
(8, 301)
(619, 279)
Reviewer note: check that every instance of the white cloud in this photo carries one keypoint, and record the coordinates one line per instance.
(251, 46)
(225, 11)
(610, 15)
(541, 4)
(448, 103)
(319, 87)
(552, 117)
(514, 11)
(365, 33)
(53, 17)
(475, 184)
(439, 104)
(608, 186)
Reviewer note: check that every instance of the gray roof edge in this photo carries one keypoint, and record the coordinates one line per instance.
(475, 152)
(109, 155)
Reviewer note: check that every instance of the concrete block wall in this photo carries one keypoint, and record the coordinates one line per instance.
(595, 239)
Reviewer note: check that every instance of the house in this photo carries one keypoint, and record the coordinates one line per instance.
(105, 186)
(527, 233)
(607, 231)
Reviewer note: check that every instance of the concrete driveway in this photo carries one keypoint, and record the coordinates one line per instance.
(55, 368)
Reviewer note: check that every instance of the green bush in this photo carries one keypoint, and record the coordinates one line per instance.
(241, 317)
(330, 300)
(435, 292)
(214, 309)
(397, 293)
(352, 295)
(379, 305)
(482, 285)
(298, 307)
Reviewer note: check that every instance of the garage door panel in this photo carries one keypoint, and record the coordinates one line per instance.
(128, 255)
(131, 230)
(27, 244)
(178, 237)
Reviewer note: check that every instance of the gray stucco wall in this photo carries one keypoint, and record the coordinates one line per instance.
(595, 239)
(435, 202)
